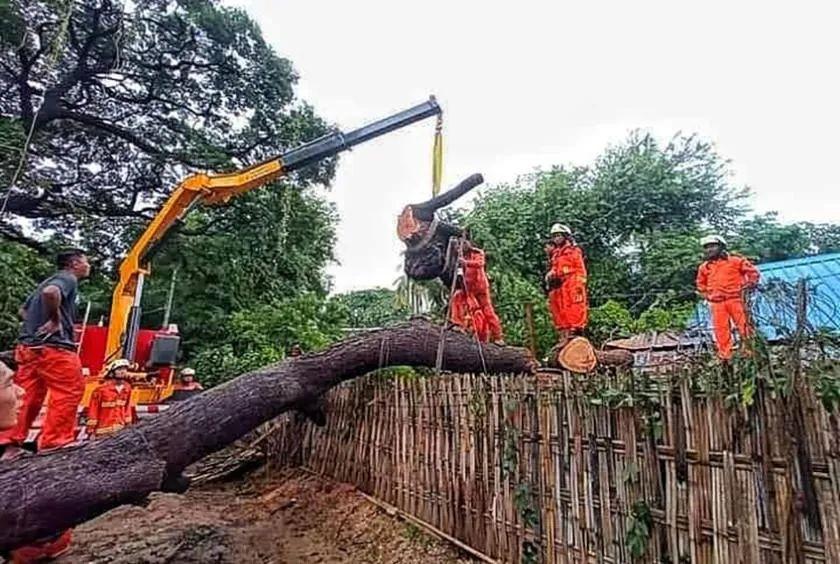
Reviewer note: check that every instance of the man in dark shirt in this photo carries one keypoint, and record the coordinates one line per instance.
(47, 358)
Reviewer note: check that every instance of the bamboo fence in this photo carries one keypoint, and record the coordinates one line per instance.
(536, 469)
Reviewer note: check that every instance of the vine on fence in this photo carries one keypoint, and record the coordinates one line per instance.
(637, 530)
(523, 492)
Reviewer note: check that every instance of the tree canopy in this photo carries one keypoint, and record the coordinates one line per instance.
(123, 98)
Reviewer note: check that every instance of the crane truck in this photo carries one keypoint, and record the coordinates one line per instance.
(154, 351)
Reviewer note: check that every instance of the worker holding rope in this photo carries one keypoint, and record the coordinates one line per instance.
(473, 262)
(471, 305)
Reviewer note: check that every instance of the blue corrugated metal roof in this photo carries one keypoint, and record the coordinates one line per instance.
(774, 304)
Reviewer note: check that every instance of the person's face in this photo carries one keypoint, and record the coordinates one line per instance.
(120, 374)
(559, 240)
(712, 250)
(11, 398)
(80, 267)
(187, 378)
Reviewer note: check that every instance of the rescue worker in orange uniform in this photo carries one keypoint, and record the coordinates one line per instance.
(47, 359)
(188, 383)
(110, 407)
(473, 263)
(466, 311)
(723, 280)
(566, 282)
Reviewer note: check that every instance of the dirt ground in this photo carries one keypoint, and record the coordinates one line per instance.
(288, 517)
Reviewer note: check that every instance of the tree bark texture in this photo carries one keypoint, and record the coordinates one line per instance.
(426, 253)
(46, 493)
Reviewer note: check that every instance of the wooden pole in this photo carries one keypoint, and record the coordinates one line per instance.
(532, 331)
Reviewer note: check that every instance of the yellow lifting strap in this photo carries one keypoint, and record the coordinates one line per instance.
(437, 156)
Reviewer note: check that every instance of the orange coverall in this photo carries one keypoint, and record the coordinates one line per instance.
(476, 283)
(722, 282)
(39, 369)
(567, 299)
(110, 409)
(466, 312)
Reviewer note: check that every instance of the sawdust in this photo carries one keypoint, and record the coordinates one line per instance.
(291, 517)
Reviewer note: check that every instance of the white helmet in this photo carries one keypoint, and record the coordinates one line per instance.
(560, 229)
(712, 240)
(119, 363)
(187, 372)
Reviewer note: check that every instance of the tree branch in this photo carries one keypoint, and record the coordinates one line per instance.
(125, 135)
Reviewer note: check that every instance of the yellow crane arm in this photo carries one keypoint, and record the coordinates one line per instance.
(197, 188)
(124, 320)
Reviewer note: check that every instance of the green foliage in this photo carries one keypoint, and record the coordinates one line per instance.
(612, 319)
(137, 92)
(13, 26)
(421, 297)
(269, 247)
(523, 501)
(262, 335)
(149, 90)
(637, 529)
(373, 308)
(22, 270)
(638, 213)
(825, 376)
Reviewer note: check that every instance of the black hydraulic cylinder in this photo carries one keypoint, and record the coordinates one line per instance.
(336, 142)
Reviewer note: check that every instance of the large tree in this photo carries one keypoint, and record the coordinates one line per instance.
(123, 98)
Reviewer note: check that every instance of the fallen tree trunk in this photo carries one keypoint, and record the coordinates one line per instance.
(43, 494)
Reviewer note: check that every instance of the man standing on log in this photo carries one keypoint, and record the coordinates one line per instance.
(475, 282)
(48, 362)
(566, 282)
(723, 280)
(47, 359)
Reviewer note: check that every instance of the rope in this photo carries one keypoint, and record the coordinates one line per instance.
(442, 339)
(52, 59)
(437, 156)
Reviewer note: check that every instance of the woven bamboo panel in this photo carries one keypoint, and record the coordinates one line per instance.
(528, 469)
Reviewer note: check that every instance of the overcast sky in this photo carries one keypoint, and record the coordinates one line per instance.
(529, 84)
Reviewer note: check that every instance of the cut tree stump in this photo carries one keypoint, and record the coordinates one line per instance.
(578, 355)
(46, 493)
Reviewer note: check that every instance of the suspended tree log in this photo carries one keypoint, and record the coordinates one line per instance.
(427, 237)
(43, 494)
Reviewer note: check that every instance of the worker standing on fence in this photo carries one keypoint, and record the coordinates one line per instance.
(473, 262)
(566, 283)
(110, 407)
(724, 280)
